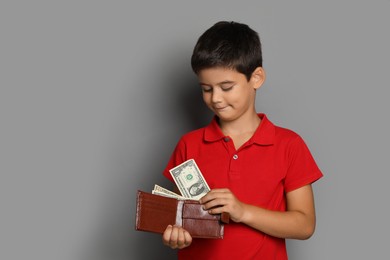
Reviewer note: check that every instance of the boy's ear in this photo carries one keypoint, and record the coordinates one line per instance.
(258, 77)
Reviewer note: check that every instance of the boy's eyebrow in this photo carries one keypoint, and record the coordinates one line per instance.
(225, 82)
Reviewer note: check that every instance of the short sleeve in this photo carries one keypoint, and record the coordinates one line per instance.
(302, 168)
(177, 157)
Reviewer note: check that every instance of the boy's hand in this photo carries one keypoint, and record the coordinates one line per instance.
(176, 237)
(217, 201)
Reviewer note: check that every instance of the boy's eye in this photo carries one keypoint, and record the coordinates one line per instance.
(204, 89)
(227, 88)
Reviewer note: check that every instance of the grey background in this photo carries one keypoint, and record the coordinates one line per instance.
(95, 95)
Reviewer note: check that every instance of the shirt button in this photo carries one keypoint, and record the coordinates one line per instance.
(226, 139)
(235, 157)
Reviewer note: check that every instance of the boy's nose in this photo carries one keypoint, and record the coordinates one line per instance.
(216, 96)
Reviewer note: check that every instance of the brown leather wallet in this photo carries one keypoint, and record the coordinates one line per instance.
(154, 213)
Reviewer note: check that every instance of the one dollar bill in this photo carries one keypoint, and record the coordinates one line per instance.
(158, 190)
(189, 180)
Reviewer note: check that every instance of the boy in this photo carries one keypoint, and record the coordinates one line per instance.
(259, 173)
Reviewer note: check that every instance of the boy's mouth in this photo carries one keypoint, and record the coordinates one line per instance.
(220, 108)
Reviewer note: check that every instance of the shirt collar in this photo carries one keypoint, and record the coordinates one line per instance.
(264, 134)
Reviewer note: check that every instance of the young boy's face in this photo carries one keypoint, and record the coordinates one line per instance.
(228, 93)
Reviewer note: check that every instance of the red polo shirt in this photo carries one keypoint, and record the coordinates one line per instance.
(270, 164)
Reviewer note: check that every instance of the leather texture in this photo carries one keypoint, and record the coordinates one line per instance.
(154, 213)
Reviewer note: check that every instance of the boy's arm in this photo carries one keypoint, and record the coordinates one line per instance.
(297, 222)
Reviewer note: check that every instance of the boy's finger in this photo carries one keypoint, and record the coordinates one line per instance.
(187, 238)
(174, 237)
(167, 235)
(214, 194)
(180, 238)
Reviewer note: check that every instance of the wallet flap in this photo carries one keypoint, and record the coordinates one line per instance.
(203, 228)
(155, 213)
(199, 223)
(192, 209)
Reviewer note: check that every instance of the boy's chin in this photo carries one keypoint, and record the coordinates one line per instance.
(225, 117)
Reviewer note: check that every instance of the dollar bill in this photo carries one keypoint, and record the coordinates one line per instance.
(189, 180)
(168, 195)
(158, 190)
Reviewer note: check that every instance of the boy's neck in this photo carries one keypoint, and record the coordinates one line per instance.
(248, 123)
